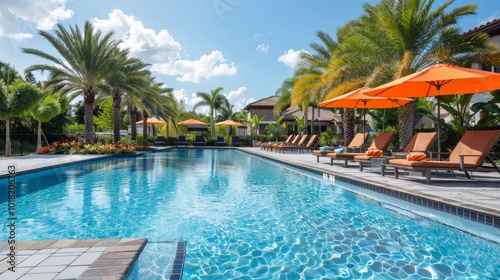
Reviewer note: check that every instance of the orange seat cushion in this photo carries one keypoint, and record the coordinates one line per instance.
(374, 153)
(416, 157)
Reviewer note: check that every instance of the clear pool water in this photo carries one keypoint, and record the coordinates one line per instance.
(243, 218)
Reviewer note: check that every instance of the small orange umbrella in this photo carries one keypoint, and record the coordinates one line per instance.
(357, 99)
(437, 80)
(192, 122)
(230, 123)
(152, 121)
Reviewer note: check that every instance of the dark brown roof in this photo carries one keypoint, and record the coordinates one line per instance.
(267, 102)
(492, 28)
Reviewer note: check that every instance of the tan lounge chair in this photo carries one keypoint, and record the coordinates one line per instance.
(420, 142)
(301, 142)
(381, 142)
(468, 155)
(301, 148)
(295, 141)
(268, 145)
(356, 143)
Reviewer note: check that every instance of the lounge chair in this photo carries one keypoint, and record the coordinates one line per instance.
(469, 154)
(301, 142)
(294, 142)
(420, 142)
(381, 143)
(356, 143)
(160, 141)
(181, 141)
(236, 141)
(268, 145)
(311, 144)
(220, 141)
(199, 141)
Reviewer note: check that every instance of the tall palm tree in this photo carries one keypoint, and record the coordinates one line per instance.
(310, 86)
(395, 38)
(16, 99)
(86, 59)
(130, 77)
(214, 100)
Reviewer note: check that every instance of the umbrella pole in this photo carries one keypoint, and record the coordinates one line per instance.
(364, 130)
(439, 124)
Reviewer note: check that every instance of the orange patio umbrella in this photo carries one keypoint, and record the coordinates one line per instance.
(357, 99)
(192, 122)
(230, 123)
(437, 80)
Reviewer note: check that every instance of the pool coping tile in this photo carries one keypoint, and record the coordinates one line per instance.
(74, 259)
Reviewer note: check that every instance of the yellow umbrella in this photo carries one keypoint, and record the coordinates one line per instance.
(152, 121)
(230, 123)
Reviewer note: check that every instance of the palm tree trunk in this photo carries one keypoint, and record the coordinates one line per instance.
(348, 126)
(8, 151)
(212, 126)
(133, 125)
(406, 124)
(145, 125)
(39, 136)
(88, 105)
(117, 100)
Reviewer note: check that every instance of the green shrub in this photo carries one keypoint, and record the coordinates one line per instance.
(210, 142)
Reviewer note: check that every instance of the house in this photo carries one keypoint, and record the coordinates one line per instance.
(492, 29)
(318, 119)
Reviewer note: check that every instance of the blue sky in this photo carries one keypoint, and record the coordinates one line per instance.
(248, 47)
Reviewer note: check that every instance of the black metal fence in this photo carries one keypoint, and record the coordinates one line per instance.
(25, 144)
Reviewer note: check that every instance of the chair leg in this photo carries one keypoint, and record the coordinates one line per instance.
(396, 173)
(317, 159)
(428, 176)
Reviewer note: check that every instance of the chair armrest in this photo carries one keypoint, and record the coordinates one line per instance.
(463, 156)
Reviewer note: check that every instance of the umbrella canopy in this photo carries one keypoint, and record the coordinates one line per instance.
(230, 123)
(192, 122)
(357, 99)
(152, 121)
(437, 80)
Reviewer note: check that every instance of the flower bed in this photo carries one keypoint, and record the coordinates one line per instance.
(72, 147)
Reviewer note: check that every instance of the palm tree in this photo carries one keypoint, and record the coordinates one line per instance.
(395, 38)
(86, 60)
(16, 98)
(310, 86)
(214, 100)
(44, 111)
(131, 77)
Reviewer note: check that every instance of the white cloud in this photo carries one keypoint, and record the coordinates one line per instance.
(195, 71)
(142, 42)
(162, 51)
(291, 58)
(262, 48)
(18, 16)
(20, 36)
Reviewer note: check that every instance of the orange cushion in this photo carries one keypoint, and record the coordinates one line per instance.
(416, 157)
(374, 153)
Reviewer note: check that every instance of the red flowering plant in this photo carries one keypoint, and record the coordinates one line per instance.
(71, 146)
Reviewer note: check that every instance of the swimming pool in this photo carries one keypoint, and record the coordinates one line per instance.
(243, 217)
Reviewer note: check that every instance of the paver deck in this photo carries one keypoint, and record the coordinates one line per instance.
(70, 259)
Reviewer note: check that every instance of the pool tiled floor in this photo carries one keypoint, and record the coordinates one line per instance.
(70, 259)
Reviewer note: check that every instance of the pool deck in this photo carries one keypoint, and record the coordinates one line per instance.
(113, 259)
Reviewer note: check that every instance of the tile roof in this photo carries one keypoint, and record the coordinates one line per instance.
(264, 102)
(492, 28)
